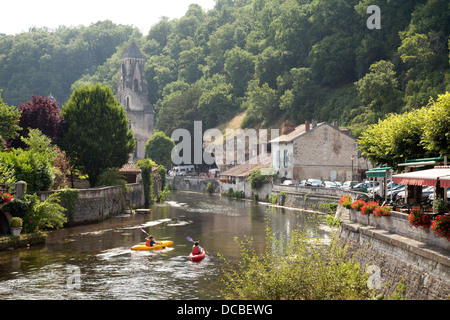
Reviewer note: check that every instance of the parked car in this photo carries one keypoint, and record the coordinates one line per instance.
(314, 183)
(302, 183)
(349, 184)
(288, 182)
(431, 196)
(330, 184)
(338, 183)
(363, 186)
(377, 187)
(426, 191)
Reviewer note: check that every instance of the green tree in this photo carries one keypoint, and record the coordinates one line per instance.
(378, 89)
(393, 140)
(146, 166)
(9, 118)
(240, 68)
(159, 148)
(262, 105)
(97, 137)
(436, 133)
(333, 60)
(216, 104)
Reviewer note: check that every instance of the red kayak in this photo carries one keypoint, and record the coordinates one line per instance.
(197, 257)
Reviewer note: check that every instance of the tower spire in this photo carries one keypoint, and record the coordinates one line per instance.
(133, 96)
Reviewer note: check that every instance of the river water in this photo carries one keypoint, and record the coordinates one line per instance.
(95, 261)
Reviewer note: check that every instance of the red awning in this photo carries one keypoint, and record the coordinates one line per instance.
(423, 177)
(444, 182)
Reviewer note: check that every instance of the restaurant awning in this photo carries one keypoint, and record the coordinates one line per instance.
(424, 177)
(422, 162)
(377, 172)
(444, 182)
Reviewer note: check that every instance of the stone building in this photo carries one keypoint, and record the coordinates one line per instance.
(132, 94)
(317, 151)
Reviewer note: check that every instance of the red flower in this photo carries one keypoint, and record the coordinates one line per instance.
(419, 219)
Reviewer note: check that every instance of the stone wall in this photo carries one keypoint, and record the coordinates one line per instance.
(96, 204)
(395, 261)
(187, 183)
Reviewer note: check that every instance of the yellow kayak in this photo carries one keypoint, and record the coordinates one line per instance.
(160, 246)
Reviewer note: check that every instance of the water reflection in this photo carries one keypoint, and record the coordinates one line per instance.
(108, 269)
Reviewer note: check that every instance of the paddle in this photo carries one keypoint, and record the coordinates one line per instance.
(190, 239)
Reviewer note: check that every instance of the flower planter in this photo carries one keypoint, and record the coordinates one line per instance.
(16, 231)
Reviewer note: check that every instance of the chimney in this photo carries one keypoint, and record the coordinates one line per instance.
(307, 125)
(336, 124)
(288, 127)
(314, 123)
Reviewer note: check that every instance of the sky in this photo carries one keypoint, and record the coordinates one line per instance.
(18, 16)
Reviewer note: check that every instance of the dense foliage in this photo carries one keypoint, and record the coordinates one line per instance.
(45, 62)
(34, 165)
(274, 59)
(416, 134)
(299, 267)
(40, 113)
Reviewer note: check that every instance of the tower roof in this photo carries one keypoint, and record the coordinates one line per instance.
(133, 52)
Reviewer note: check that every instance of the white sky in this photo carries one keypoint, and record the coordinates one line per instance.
(18, 16)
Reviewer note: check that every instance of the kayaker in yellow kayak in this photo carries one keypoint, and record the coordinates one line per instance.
(150, 241)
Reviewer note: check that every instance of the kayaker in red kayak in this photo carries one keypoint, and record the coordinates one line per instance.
(196, 249)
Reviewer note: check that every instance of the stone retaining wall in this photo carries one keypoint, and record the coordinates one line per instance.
(423, 270)
(96, 204)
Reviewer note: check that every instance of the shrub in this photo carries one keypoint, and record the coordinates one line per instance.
(301, 268)
(111, 177)
(346, 201)
(210, 188)
(257, 179)
(45, 214)
(419, 219)
(328, 207)
(441, 226)
(16, 222)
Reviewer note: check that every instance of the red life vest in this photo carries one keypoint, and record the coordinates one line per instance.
(196, 250)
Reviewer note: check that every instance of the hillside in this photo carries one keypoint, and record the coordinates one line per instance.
(275, 60)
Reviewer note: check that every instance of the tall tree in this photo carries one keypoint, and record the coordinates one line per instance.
(159, 148)
(97, 136)
(9, 117)
(40, 113)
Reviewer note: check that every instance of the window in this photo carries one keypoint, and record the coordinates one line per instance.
(285, 159)
(277, 161)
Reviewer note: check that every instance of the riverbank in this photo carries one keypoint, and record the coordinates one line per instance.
(24, 240)
(404, 261)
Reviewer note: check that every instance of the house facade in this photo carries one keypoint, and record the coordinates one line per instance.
(317, 151)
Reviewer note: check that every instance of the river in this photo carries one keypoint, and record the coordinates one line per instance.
(95, 261)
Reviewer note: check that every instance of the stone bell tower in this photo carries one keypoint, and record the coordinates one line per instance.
(132, 94)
